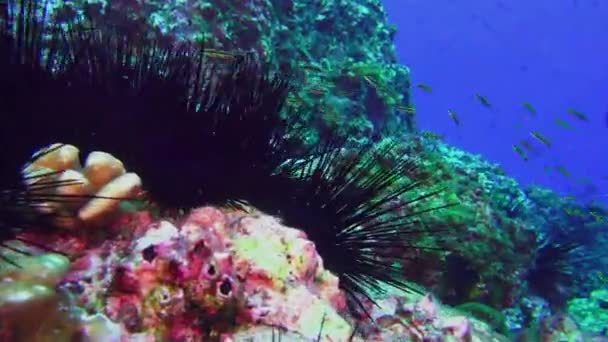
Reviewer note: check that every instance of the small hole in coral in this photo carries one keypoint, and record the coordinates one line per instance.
(226, 287)
(149, 253)
(174, 268)
(75, 287)
(199, 247)
(164, 297)
(211, 270)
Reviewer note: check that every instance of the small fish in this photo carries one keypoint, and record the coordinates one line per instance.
(407, 110)
(541, 138)
(568, 198)
(529, 107)
(293, 100)
(370, 81)
(520, 152)
(432, 135)
(527, 145)
(317, 91)
(598, 217)
(330, 115)
(425, 87)
(221, 55)
(578, 114)
(561, 123)
(562, 170)
(454, 117)
(517, 126)
(483, 101)
(311, 67)
(602, 277)
(346, 93)
(547, 169)
(584, 180)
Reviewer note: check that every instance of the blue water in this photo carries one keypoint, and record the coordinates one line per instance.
(552, 54)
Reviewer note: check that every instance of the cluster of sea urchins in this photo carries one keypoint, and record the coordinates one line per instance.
(201, 132)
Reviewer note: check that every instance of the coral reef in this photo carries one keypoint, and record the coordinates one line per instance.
(486, 313)
(343, 49)
(560, 216)
(591, 313)
(530, 311)
(556, 328)
(208, 274)
(215, 272)
(231, 274)
(488, 246)
(495, 227)
(414, 317)
(34, 307)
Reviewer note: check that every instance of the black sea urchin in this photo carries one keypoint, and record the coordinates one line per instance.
(196, 131)
(227, 145)
(89, 88)
(362, 216)
(33, 96)
(200, 132)
(553, 272)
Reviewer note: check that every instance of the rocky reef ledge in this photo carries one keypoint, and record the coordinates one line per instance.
(140, 275)
(213, 272)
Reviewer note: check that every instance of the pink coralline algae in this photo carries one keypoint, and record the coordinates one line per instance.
(214, 272)
(217, 274)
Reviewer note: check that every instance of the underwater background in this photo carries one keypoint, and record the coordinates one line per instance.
(303, 170)
(547, 53)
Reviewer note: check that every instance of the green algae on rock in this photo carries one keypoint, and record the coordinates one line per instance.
(491, 231)
(478, 228)
(591, 313)
(345, 48)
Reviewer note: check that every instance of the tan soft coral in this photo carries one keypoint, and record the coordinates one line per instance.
(94, 187)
